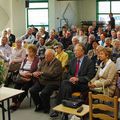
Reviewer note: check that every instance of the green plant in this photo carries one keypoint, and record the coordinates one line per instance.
(2, 70)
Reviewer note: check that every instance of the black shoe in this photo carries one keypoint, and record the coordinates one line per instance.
(46, 111)
(54, 114)
(38, 108)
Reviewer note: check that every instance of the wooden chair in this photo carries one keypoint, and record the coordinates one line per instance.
(103, 107)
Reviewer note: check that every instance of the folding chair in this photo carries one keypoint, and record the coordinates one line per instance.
(104, 109)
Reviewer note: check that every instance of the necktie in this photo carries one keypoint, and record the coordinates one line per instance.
(77, 68)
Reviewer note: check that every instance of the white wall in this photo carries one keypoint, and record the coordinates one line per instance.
(76, 12)
(12, 15)
(4, 14)
(18, 17)
(87, 10)
(57, 9)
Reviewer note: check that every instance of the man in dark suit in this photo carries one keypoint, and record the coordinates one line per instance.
(112, 21)
(81, 71)
(49, 74)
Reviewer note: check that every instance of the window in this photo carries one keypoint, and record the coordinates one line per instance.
(37, 13)
(107, 6)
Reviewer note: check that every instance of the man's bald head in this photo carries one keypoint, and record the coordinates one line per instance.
(49, 55)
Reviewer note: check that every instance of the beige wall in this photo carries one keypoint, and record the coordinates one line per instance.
(4, 14)
(18, 17)
(12, 15)
(57, 9)
(87, 9)
(77, 11)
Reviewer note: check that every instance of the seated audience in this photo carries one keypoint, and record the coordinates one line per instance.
(37, 36)
(81, 71)
(28, 37)
(88, 45)
(51, 42)
(41, 48)
(5, 49)
(95, 27)
(118, 35)
(99, 32)
(11, 37)
(90, 31)
(105, 78)
(93, 54)
(48, 77)
(73, 30)
(81, 36)
(108, 42)
(24, 79)
(116, 51)
(63, 32)
(113, 36)
(102, 39)
(5, 52)
(108, 30)
(118, 64)
(17, 56)
(74, 42)
(55, 33)
(66, 40)
(43, 33)
(4, 33)
(61, 55)
(34, 30)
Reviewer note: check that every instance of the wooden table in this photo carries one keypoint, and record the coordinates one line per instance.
(5, 95)
(73, 111)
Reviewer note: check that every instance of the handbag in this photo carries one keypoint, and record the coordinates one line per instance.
(21, 79)
(72, 103)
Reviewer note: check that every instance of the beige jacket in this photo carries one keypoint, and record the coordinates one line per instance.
(108, 80)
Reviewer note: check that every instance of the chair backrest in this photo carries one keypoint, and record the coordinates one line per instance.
(104, 108)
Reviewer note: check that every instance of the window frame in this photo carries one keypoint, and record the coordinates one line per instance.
(97, 8)
(37, 1)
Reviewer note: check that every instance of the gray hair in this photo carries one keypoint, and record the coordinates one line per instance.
(51, 51)
(75, 37)
(107, 39)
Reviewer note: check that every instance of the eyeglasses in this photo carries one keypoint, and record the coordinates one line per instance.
(55, 47)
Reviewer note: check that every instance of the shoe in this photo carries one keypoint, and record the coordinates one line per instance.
(14, 106)
(46, 111)
(38, 108)
(54, 114)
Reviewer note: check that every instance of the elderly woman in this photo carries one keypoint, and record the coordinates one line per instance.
(105, 78)
(16, 58)
(24, 79)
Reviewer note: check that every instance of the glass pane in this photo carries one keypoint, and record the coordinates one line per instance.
(116, 7)
(38, 17)
(38, 5)
(104, 18)
(117, 19)
(104, 7)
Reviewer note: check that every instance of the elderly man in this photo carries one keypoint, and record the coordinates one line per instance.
(75, 40)
(49, 74)
(81, 71)
(28, 37)
(5, 51)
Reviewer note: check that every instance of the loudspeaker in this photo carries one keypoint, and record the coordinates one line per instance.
(27, 3)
